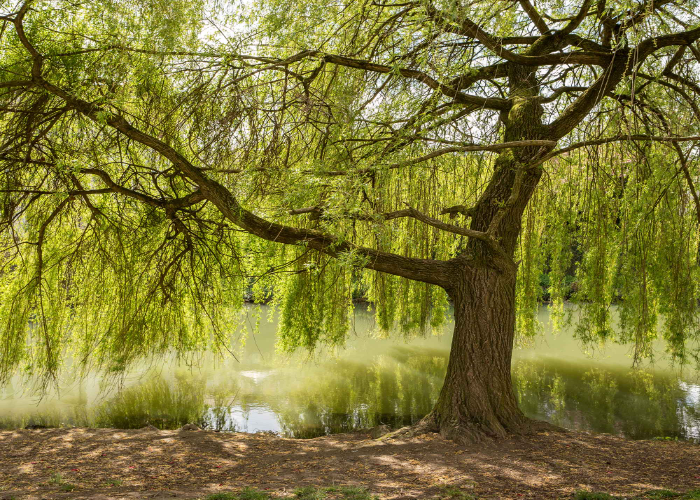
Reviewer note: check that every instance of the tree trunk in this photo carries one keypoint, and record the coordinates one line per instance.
(477, 398)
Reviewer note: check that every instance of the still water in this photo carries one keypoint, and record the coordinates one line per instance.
(371, 381)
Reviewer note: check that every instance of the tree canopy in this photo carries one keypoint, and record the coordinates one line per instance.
(159, 159)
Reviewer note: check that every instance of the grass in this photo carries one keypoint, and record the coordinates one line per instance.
(57, 479)
(345, 492)
(221, 496)
(309, 493)
(649, 495)
(115, 482)
(456, 492)
(245, 494)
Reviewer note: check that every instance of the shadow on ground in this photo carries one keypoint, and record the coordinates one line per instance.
(108, 463)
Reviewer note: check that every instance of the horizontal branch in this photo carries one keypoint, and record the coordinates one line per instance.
(477, 74)
(397, 214)
(458, 209)
(305, 210)
(419, 216)
(651, 45)
(475, 147)
(486, 237)
(414, 74)
(15, 83)
(620, 138)
(452, 149)
(447, 90)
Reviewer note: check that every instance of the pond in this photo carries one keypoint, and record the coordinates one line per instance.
(372, 381)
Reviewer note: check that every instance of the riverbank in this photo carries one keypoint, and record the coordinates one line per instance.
(112, 463)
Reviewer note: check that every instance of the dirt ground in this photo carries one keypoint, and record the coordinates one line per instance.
(109, 463)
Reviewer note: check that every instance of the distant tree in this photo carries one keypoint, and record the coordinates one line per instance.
(159, 158)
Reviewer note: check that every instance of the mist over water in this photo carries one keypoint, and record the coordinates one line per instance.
(372, 381)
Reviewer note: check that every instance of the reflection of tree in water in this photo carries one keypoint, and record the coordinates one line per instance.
(396, 389)
(168, 404)
(400, 388)
(634, 403)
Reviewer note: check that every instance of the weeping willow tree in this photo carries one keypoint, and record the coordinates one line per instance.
(161, 159)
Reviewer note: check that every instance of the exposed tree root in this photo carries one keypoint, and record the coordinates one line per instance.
(468, 433)
(426, 425)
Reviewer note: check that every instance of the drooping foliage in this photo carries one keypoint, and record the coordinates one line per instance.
(331, 118)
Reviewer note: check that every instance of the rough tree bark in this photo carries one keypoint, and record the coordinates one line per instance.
(477, 398)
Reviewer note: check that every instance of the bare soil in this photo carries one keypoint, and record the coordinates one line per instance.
(191, 464)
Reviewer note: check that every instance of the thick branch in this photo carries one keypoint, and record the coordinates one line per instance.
(534, 16)
(15, 83)
(578, 109)
(458, 209)
(650, 45)
(576, 21)
(447, 90)
(619, 138)
(477, 74)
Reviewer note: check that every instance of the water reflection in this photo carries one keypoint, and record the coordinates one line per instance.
(396, 389)
(635, 403)
(375, 382)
